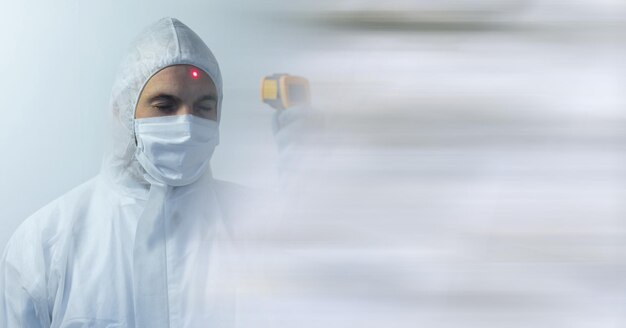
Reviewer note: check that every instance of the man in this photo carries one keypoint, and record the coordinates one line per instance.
(147, 242)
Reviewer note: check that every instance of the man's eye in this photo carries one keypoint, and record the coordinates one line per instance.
(163, 108)
(204, 108)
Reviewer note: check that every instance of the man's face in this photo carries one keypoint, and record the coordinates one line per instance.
(178, 90)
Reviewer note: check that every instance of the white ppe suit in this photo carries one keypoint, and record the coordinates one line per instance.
(122, 250)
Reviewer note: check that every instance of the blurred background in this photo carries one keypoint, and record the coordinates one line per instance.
(470, 171)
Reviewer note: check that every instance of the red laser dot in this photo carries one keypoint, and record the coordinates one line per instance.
(194, 74)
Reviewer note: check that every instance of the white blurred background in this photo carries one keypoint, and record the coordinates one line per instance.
(470, 173)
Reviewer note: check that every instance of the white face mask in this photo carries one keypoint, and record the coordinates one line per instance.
(175, 149)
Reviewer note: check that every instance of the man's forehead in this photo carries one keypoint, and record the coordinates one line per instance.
(180, 79)
(186, 73)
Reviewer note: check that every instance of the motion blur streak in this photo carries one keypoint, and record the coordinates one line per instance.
(470, 172)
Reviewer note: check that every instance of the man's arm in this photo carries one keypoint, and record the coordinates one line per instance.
(18, 307)
(298, 134)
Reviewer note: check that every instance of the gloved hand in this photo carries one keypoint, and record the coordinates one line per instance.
(297, 132)
(293, 125)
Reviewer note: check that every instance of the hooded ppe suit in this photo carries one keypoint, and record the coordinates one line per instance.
(123, 250)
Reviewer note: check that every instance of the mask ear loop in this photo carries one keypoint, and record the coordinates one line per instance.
(151, 300)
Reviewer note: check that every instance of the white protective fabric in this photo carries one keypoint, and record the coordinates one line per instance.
(176, 149)
(123, 250)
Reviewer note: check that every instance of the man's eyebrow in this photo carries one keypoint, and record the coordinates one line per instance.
(206, 97)
(163, 96)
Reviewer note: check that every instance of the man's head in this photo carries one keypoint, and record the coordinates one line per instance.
(178, 90)
(168, 75)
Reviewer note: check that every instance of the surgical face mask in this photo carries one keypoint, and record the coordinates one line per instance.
(175, 150)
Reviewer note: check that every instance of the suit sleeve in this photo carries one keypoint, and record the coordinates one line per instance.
(21, 284)
(298, 133)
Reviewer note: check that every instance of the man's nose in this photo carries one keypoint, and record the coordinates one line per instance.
(184, 110)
